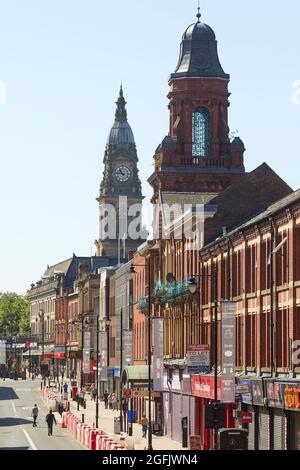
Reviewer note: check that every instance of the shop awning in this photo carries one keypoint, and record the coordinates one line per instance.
(135, 373)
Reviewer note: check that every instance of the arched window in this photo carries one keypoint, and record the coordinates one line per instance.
(200, 133)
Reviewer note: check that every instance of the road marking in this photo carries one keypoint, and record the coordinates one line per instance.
(14, 407)
(31, 443)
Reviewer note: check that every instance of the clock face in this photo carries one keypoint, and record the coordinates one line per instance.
(122, 173)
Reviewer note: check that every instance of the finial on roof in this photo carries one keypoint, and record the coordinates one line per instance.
(121, 113)
(198, 14)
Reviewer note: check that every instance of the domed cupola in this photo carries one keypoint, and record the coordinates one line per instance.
(121, 133)
(199, 53)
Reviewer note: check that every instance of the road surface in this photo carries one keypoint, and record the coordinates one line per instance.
(17, 398)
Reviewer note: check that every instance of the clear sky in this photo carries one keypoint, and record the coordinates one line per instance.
(61, 63)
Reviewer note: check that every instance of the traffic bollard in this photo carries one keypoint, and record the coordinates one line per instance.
(82, 418)
(77, 405)
(41, 385)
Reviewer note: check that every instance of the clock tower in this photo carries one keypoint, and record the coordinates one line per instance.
(197, 156)
(120, 199)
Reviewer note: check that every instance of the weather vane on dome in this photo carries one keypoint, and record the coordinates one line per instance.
(198, 14)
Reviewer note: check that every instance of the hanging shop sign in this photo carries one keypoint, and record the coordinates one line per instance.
(75, 354)
(274, 393)
(257, 392)
(198, 358)
(243, 390)
(247, 417)
(292, 396)
(228, 314)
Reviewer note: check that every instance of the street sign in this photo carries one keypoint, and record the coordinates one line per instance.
(198, 358)
(242, 389)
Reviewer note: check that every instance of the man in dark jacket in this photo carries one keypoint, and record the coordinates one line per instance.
(49, 420)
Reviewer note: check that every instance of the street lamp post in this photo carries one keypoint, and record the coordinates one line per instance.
(215, 281)
(148, 266)
(121, 368)
(41, 316)
(97, 370)
(193, 285)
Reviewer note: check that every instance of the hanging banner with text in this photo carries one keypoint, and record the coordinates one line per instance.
(228, 313)
(158, 354)
(86, 352)
(103, 356)
(2, 352)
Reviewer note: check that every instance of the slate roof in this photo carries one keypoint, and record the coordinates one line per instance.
(252, 194)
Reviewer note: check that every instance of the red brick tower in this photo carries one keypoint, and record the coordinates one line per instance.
(197, 155)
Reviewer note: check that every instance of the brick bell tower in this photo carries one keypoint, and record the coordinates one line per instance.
(197, 155)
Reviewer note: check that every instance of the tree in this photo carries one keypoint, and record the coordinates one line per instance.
(14, 314)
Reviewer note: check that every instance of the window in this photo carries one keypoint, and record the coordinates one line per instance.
(200, 132)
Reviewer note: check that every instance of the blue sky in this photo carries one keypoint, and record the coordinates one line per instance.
(61, 63)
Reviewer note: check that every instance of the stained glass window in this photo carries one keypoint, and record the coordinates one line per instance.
(200, 137)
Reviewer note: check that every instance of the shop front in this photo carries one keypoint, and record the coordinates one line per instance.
(274, 391)
(135, 395)
(261, 416)
(246, 407)
(203, 391)
(59, 359)
(73, 363)
(292, 409)
(178, 406)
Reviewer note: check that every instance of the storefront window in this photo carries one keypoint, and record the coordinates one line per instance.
(295, 434)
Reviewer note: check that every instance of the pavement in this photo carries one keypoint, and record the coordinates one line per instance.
(106, 424)
(17, 398)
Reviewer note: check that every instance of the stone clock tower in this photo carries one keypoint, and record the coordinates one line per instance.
(120, 199)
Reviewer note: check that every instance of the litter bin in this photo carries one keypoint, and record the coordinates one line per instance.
(131, 416)
(117, 425)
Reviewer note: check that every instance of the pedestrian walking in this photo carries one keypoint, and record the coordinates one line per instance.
(34, 414)
(81, 397)
(144, 424)
(106, 395)
(50, 418)
(114, 401)
(60, 408)
(65, 389)
(94, 393)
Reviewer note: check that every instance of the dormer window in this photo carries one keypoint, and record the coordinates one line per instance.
(200, 133)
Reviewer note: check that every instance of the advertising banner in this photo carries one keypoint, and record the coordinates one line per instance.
(103, 356)
(158, 354)
(2, 352)
(86, 351)
(228, 310)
